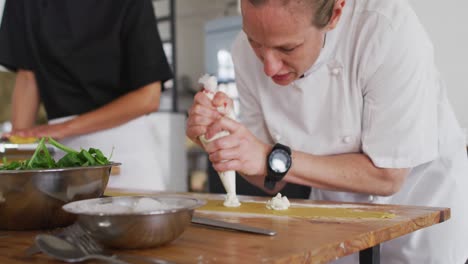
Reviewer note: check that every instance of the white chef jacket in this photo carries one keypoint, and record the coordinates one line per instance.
(374, 89)
(135, 145)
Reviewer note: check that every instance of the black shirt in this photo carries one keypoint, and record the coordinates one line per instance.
(84, 53)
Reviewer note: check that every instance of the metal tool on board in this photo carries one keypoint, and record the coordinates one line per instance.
(232, 226)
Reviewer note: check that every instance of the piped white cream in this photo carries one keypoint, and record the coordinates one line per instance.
(228, 178)
(278, 203)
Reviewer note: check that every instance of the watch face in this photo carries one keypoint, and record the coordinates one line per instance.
(280, 161)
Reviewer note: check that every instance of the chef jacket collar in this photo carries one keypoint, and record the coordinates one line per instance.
(325, 53)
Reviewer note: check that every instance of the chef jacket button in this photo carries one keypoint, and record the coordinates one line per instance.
(335, 71)
(277, 137)
(347, 139)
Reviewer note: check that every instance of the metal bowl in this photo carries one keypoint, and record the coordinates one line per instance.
(33, 199)
(130, 226)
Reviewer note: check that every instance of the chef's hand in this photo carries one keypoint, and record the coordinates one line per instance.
(240, 151)
(56, 131)
(203, 113)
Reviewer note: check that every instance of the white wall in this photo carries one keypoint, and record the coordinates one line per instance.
(2, 4)
(191, 18)
(447, 25)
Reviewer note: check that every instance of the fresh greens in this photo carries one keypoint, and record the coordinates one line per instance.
(41, 159)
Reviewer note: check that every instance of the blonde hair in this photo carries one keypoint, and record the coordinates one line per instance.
(322, 9)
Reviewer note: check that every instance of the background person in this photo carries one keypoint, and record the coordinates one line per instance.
(98, 68)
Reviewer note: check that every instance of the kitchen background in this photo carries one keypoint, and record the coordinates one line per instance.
(197, 35)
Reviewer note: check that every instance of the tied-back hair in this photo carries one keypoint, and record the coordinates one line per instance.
(322, 9)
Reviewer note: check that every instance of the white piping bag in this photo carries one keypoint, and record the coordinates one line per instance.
(228, 178)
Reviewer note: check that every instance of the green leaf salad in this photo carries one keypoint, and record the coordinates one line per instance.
(42, 159)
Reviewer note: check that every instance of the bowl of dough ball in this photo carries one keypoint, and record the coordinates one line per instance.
(133, 222)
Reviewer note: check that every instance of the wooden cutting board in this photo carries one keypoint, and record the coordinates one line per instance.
(298, 210)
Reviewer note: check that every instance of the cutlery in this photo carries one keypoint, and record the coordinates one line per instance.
(63, 250)
(231, 226)
(86, 249)
(63, 233)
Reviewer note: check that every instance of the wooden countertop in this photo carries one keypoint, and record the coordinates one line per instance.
(298, 239)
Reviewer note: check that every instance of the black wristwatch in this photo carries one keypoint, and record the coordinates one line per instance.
(279, 162)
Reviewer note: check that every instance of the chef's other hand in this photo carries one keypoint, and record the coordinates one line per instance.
(201, 114)
(240, 151)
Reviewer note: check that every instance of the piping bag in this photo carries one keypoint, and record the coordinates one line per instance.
(228, 178)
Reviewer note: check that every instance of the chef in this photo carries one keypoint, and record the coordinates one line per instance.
(344, 97)
(98, 68)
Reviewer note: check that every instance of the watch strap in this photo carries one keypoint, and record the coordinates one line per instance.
(269, 183)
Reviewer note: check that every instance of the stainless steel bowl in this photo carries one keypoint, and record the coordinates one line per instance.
(33, 199)
(130, 229)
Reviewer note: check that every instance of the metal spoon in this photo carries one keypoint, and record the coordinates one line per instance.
(63, 250)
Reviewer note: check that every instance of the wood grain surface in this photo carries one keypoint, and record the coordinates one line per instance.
(298, 239)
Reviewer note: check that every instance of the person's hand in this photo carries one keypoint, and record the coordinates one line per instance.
(56, 131)
(203, 113)
(240, 151)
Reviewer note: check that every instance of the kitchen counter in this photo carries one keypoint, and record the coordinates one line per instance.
(298, 239)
